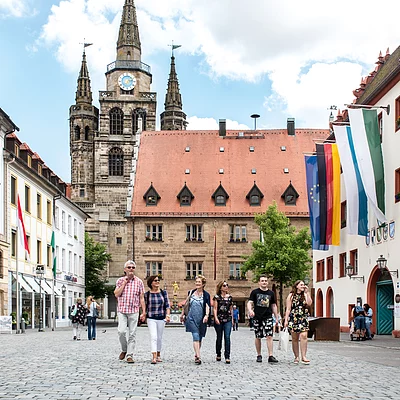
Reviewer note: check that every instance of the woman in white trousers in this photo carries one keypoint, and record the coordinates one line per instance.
(158, 313)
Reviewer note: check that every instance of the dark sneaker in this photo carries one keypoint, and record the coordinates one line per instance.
(272, 359)
(259, 358)
(122, 355)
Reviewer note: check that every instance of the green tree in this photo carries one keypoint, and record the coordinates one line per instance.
(96, 259)
(283, 254)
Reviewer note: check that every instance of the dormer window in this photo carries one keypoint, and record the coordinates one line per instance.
(220, 196)
(185, 196)
(254, 196)
(151, 196)
(290, 195)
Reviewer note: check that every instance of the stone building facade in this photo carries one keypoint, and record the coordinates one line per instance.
(194, 212)
(102, 141)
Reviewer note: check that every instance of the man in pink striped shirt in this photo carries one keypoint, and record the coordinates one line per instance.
(129, 292)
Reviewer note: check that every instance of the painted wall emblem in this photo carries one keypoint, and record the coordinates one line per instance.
(391, 229)
(368, 238)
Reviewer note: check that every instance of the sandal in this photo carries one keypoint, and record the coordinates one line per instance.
(218, 358)
(159, 359)
(296, 361)
(197, 361)
(306, 362)
(153, 361)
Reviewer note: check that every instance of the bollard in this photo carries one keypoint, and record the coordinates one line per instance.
(23, 325)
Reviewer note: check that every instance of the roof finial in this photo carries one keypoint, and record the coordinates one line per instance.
(174, 46)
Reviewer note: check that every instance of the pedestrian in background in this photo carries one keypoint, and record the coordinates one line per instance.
(78, 313)
(368, 320)
(223, 319)
(129, 292)
(92, 315)
(296, 319)
(199, 313)
(260, 307)
(236, 317)
(158, 313)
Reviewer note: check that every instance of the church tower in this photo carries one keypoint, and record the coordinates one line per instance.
(83, 127)
(173, 118)
(127, 106)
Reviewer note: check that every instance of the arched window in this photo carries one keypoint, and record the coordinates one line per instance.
(77, 132)
(87, 133)
(116, 121)
(138, 113)
(116, 162)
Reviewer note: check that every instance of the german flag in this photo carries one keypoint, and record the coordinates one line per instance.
(328, 163)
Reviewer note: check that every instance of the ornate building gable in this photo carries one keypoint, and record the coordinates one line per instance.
(185, 196)
(254, 196)
(290, 195)
(220, 196)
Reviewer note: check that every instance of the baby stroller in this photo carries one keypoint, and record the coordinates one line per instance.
(357, 325)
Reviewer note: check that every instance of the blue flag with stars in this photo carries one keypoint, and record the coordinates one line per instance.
(313, 201)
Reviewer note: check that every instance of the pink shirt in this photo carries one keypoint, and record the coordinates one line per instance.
(129, 301)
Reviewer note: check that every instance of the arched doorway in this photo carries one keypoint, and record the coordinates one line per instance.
(329, 308)
(319, 305)
(380, 295)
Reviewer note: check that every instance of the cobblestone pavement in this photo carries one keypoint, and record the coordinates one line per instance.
(50, 365)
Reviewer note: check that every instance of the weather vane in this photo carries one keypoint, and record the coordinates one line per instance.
(174, 46)
(85, 44)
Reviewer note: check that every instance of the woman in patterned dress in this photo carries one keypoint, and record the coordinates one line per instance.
(296, 318)
(78, 318)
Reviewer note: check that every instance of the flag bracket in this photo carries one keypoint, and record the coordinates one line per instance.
(387, 108)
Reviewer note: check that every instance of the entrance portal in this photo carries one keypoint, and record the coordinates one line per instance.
(384, 301)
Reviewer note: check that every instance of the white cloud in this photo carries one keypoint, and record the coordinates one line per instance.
(16, 8)
(198, 123)
(314, 55)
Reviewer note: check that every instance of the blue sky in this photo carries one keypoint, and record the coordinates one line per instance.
(277, 59)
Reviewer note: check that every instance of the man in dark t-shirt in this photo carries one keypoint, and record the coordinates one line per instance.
(261, 306)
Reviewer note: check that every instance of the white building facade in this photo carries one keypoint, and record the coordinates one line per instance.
(43, 201)
(349, 274)
(6, 126)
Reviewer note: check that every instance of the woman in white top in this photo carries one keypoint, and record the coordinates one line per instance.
(93, 313)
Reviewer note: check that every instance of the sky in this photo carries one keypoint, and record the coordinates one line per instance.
(278, 59)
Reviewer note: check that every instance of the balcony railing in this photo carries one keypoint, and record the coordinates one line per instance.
(130, 65)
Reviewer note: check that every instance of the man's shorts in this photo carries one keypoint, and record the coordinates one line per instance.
(263, 327)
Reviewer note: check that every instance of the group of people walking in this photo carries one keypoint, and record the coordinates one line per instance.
(155, 307)
(81, 312)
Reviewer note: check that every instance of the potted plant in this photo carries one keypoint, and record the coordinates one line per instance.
(25, 316)
(231, 239)
(231, 277)
(397, 197)
(398, 123)
(244, 240)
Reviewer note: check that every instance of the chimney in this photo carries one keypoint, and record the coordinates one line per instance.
(222, 127)
(290, 127)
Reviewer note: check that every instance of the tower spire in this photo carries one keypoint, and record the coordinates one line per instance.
(84, 91)
(128, 45)
(173, 118)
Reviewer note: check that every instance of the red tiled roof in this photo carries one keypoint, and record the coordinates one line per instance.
(163, 161)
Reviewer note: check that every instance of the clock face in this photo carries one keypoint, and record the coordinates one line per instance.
(127, 81)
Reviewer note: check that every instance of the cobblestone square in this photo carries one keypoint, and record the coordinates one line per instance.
(50, 365)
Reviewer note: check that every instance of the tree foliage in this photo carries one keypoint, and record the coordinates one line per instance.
(283, 255)
(96, 259)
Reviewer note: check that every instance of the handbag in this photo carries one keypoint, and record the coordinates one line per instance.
(73, 312)
(95, 311)
(186, 307)
(284, 340)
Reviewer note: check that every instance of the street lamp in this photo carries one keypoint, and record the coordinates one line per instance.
(382, 265)
(255, 116)
(350, 272)
(40, 273)
(306, 280)
(63, 289)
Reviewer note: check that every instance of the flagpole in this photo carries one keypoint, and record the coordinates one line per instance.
(53, 302)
